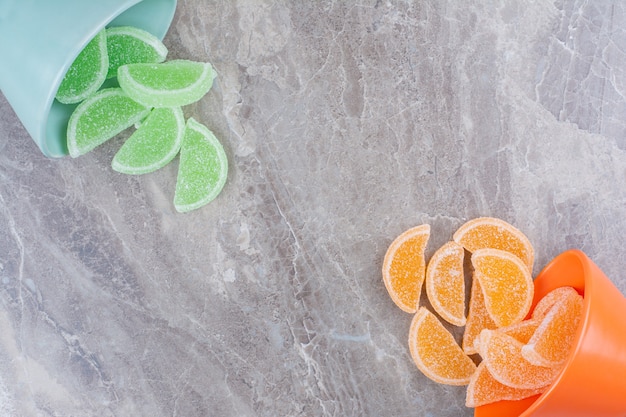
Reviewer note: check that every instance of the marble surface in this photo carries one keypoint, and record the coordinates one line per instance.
(345, 123)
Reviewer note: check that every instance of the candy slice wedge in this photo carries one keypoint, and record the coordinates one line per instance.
(484, 389)
(445, 283)
(552, 341)
(154, 144)
(169, 84)
(87, 73)
(101, 117)
(202, 169)
(550, 299)
(404, 267)
(478, 318)
(490, 232)
(506, 283)
(522, 331)
(502, 355)
(130, 45)
(436, 353)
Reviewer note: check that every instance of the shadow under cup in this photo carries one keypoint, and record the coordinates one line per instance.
(39, 40)
(592, 382)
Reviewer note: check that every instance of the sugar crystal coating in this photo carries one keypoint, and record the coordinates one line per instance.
(445, 283)
(550, 299)
(154, 144)
(404, 267)
(436, 353)
(506, 283)
(101, 117)
(522, 331)
(552, 341)
(202, 168)
(502, 354)
(483, 389)
(490, 232)
(169, 84)
(478, 318)
(87, 72)
(130, 45)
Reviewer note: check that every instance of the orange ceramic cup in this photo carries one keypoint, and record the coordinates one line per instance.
(593, 380)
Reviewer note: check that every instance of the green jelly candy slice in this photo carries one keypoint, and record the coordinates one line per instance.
(101, 117)
(130, 45)
(169, 84)
(154, 144)
(87, 72)
(202, 168)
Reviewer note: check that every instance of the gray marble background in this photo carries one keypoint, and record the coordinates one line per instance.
(345, 123)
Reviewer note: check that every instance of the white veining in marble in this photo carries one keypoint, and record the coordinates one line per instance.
(589, 41)
(345, 123)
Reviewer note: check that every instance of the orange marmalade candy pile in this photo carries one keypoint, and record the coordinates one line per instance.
(519, 352)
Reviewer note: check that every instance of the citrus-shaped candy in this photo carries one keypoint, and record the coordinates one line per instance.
(478, 318)
(101, 117)
(169, 84)
(550, 299)
(506, 283)
(87, 72)
(522, 331)
(490, 232)
(484, 389)
(131, 45)
(404, 267)
(445, 283)
(154, 144)
(553, 339)
(436, 353)
(502, 355)
(202, 169)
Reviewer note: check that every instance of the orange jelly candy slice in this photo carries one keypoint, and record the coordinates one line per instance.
(404, 267)
(506, 283)
(484, 389)
(445, 283)
(522, 331)
(550, 299)
(490, 232)
(436, 353)
(553, 339)
(502, 355)
(477, 319)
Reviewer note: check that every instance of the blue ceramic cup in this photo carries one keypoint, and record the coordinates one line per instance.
(39, 40)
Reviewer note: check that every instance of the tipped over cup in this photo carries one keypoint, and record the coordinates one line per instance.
(39, 41)
(592, 380)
